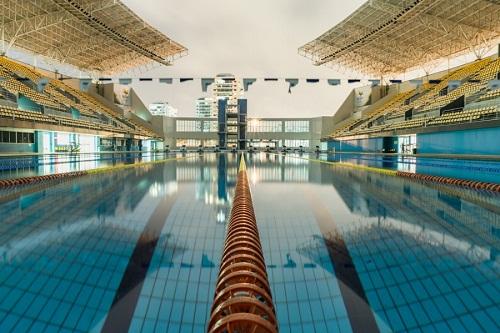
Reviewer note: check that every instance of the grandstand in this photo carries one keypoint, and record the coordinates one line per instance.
(387, 38)
(59, 103)
(96, 37)
(433, 103)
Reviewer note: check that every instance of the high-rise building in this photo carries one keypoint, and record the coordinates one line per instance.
(162, 109)
(227, 87)
(204, 107)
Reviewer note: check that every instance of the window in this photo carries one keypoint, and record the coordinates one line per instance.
(5, 136)
(188, 126)
(210, 126)
(297, 126)
(210, 143)
(16, 137)
(297, 143)
(188, 142)
(265, 126)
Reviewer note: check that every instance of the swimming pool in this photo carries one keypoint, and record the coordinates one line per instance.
(346, 250)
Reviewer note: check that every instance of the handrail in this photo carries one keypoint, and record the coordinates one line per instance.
(242, 301)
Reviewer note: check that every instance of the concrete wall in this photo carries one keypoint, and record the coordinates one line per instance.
(345, 110)
(138, 107)
(484, 141)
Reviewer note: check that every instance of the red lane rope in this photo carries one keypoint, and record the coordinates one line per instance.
(242, 301)
(39, 179)
(451, 181)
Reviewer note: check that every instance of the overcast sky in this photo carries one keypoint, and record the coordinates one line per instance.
(257, 38)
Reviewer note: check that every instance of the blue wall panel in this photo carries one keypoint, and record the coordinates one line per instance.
(17, 147)
(484, 141)
(27, 104)
(358, 145)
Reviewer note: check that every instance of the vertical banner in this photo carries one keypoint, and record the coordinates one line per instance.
(291, 83)
(165, 80)
(417, 82)
(85, 84)
(124, 81)
(454, 84)
(205, 83)
(494, 84)
(42, 83)
(247, 83)
(333, 82)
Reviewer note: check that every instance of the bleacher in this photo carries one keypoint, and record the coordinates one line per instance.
(18, 80)
(13, 113)
(492, 94)
(464, 116)
(428, 102)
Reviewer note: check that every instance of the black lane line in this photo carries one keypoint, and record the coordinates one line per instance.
(358, 310)
(123, 307)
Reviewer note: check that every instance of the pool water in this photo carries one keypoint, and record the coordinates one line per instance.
(346, 250)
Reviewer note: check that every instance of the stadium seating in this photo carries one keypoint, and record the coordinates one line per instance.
(17, 88)
(464, 116)
(17, 79)
(491, 95)
(429, 99)
(13, 113)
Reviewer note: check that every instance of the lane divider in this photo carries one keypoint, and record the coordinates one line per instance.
(478, 185)
(345, 165)
(70, 175)
(242, 301)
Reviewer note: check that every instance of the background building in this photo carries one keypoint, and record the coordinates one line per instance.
(204, 110)
(227, 87)
(162, 109)
(204, 107)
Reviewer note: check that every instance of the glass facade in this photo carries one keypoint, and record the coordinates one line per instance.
(16, 137)
(297, 143)
(188, 142)
(262, 126)
(187, 126)
(297, 126)
(196, 126)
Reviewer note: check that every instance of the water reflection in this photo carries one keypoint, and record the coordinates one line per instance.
(480, 170)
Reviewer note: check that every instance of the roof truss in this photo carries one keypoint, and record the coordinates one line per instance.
(393, 36)
(85, 33)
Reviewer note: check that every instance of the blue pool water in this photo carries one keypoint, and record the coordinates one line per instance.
(141, 248)
(479, 170)
(23, 166)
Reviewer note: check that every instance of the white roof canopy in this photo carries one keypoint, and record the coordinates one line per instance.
(94, 35)
(393, 36)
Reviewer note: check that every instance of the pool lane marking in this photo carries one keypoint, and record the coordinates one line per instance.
(127, 295)
(358, 309)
